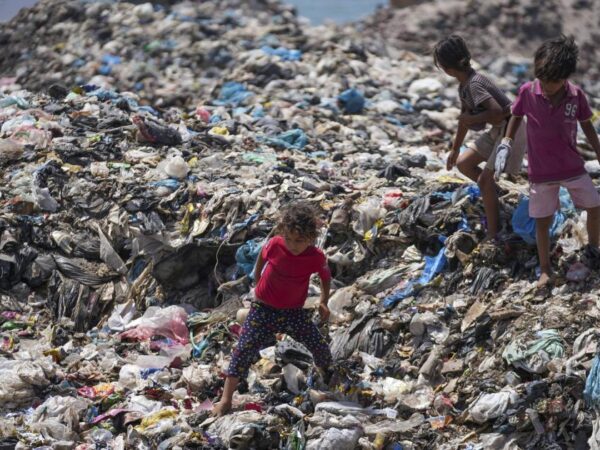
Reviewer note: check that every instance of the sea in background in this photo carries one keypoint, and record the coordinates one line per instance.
(335, 10)
(317, 11)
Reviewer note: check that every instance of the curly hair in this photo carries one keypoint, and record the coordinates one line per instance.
(452, 53)
(300, 217)
(556, 59)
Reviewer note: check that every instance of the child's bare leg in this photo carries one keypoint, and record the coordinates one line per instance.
(542, 231)
(224, 406)
(593, 226)
(489, 195)
(468, 164)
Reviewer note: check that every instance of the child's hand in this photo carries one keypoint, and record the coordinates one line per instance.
(452, 157)
(324, 312)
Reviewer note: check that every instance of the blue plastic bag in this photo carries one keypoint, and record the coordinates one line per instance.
(352, 101)
(524, 226)
(591, 393)
(246, 256)
(168, 183)
(433, 266)
(295, 139)
(284, 53)
(232, 94)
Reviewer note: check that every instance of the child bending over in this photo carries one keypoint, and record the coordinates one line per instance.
(482, 104)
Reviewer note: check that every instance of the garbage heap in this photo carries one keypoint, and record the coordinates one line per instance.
(496, 30)
(130, 223)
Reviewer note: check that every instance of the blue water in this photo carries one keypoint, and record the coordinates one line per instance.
(336, 10)
(315, 10)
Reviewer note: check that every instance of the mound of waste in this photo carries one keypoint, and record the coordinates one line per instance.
(146, 151)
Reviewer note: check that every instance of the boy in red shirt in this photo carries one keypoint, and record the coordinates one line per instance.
(553, 107)
(288, 261)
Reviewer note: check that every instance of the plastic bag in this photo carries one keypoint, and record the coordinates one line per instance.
(433, 266)
(524, 226)
(43, 199)
(121, 316)
(340, 303)
(388, 426)
(492, 406)
(295, 139)
(246, 256)
(352, 101)
(109, 255)
(591, 393)
(284, 53)
(369, 212)
(176, 167)
(233, 94)
(67, 410)
(197, 377)
(20, 378)
(335, 439)
(534, 355)
(168, 322)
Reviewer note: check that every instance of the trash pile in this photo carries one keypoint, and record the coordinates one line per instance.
(508, 32)
(132, 214)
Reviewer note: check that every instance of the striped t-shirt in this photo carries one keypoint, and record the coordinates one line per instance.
(476, 90)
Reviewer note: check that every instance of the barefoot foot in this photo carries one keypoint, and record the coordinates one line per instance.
(221, 408)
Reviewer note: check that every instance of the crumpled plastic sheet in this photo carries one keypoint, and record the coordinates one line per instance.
(352, 101)
(295, 139)
(594, 440)
(241, 427)
(233, 94)
(284, 53)
(585, 344)
(534, 355)
(247, 254)
(433, 266)
(169, 322)
(68, 411)
(335, 439)
(591, 393)
(492, 406)
(524, 225)
(21, 378)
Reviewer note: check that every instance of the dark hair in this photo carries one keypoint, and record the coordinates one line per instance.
(556, 59)
(300, 217)
(452, 53)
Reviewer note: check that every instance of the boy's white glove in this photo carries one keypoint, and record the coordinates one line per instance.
(502, 155)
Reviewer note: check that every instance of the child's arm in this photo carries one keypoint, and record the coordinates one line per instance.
(592, 136)
(461, 133)
(258, 268)
(513, 126)
(325, 290)
(493, 114)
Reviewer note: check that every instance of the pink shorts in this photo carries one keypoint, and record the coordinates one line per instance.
(543, 197)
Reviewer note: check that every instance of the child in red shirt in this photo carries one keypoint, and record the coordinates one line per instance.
(288, 260)
(554, 107)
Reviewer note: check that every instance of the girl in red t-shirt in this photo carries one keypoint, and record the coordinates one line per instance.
(283, 270)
